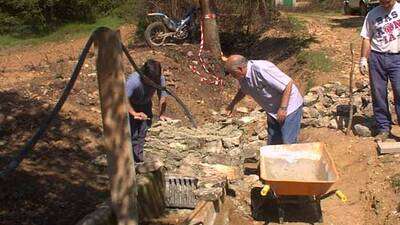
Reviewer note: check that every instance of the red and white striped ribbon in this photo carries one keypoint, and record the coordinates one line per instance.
(216, 80)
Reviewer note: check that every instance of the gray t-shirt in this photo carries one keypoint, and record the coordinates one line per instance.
(139, 93)
(265, 83)
(383, 29)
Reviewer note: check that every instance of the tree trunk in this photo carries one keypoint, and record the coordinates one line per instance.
(262, 9)
(116, 130)
(151, 189)
(174, 9)
(249, 16)
(211, 36)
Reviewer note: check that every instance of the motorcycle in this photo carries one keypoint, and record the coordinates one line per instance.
(158, 32)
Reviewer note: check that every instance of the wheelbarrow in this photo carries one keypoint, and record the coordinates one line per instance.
(305, 171)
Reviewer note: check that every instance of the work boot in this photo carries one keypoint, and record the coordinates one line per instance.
(382, 136)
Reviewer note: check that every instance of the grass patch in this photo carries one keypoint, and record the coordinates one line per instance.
(315, 60)
(310, 84)
(297, 25)
(395, 181)
(333, 12)
(67, 31)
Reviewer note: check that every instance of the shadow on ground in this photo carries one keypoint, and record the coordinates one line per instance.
(57, 183)
(349, 22)
(266, 209)
(276, 49)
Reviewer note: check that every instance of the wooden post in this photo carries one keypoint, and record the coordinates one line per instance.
(349, 126)
(151, 188)
(211, 36)
(116, 130)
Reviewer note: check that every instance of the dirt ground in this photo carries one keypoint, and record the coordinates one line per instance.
(58, 184)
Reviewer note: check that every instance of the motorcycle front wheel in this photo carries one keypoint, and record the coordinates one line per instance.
(155, 34)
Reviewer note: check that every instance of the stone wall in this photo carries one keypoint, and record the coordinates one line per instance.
(328, 106)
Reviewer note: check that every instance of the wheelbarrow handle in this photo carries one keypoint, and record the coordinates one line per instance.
(341, 196)
(264, 191)
(338, 193)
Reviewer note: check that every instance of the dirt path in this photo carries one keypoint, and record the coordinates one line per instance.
(362, 179)
(333, 35)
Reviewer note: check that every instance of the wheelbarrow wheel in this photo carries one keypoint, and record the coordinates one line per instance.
(255, 202)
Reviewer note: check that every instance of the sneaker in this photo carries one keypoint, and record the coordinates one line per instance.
(382, 136)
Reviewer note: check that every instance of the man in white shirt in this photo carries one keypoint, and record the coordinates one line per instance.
(381, 51)
(274, 91)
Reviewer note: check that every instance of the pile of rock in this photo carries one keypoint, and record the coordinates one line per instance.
(184, 150)
(322, 106)
(222, 142)
(213, 153)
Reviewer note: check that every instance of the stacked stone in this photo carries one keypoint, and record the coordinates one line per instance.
(321, 105)
(221, 142)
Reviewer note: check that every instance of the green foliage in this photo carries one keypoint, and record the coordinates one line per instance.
(395, 181)
(64, 32)
(21, 17)
(310, 84)
(315, 60)
(297, 25)
(329, 4)
(141, 27)
(33, 17)
(135, 10)
(131, 10)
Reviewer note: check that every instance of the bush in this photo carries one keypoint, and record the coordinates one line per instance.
(22, 17)
(297, 25)
(131, 9)
(395, 181)
(134, 11)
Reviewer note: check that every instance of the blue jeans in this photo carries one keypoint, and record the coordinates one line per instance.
(384, 67)
(287, 132)
(139, 131)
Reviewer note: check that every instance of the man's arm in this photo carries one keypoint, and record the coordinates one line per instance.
(365, 48)
(129, 91)
(238, 97)
(130, 109)
(286, 95)
(162, 106)
(162, 100)
(136, 115)
(366, 34)
(282, 111)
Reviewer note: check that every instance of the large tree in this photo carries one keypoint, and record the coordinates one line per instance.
(211, 36)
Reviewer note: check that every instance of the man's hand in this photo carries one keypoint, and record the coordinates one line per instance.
(363, 65)
(165, 118)
(281, 115)
(139, 116)
(227, 111)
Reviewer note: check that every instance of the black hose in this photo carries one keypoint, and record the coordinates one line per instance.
(45, 124)
(159, 87)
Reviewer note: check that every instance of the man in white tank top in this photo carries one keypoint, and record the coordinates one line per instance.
(381, 52)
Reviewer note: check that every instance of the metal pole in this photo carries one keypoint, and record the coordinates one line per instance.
(116, 129)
